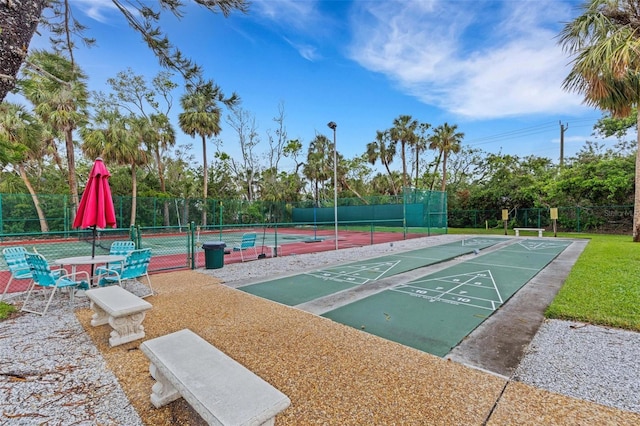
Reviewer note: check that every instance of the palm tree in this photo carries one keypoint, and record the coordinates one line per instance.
(603, 42)
(318, 169)
(201, 117)
(383, 149)
(59, 93)
(120, 140)
(404, 131)
(446, 140)
(162, 136)
(420, 144)
(22, 134)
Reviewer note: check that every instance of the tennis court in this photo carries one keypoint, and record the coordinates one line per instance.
(322, 282)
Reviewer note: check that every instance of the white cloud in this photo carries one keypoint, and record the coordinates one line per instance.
(96, 9)
(307, 51)
(299, 20)
(287, 13)
(475, 59)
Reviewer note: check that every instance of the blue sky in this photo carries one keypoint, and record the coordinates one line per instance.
(494, 68)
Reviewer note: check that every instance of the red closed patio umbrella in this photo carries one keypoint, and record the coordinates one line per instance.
(96, 205)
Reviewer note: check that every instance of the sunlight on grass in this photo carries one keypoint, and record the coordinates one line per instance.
(603, 286)
(6, 309)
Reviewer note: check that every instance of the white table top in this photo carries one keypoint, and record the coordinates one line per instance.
(88, 260)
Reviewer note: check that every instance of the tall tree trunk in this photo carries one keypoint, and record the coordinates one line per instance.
(435, 171)
(163, 185)
(393, 184)
(636, 201)
(19, 20)
(444, 171)
(345, 184)
(44, 226)
(205, 177)
(71, 165)
(134, 194)
(404, 165)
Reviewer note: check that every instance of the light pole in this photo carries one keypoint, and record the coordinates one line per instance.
(332, 125)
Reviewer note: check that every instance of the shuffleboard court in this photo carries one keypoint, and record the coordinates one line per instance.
(435, 312)
(322, 282)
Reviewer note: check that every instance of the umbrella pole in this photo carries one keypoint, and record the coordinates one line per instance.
(93, 246)
(93, 251)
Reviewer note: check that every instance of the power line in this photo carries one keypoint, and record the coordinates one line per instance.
(524, 132)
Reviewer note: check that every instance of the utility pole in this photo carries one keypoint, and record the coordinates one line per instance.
(562, 130)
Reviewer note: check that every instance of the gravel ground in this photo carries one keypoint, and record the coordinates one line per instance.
(58, 370)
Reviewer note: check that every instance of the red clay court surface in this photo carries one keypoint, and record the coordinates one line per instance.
(173, 256)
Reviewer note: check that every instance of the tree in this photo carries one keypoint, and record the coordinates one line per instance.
(404, 131)
(21, 133)
(420, 144)
(604, 43)
(201, 116)
(58, 91)
(20, 20)
(247, 168)
(317, 168)
(153, 102)
(383, 149)
(446, 140)
(118, 139)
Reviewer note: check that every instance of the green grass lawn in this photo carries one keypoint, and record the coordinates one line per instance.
(603, 286)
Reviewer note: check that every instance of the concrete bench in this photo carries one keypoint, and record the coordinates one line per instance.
(124, 311)
(220, 389)
(538, 230)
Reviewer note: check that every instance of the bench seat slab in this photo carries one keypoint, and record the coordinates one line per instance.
(220, 389)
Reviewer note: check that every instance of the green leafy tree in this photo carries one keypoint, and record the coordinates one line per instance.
(201, 116)
(153, 102)
(58, 91)
(118, 139)
(384, 150)
(318, 168)
(603, 43)
(446, 140)
(404, 131)
(20, 131)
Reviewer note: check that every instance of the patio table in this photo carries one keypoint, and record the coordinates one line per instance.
(88, 260)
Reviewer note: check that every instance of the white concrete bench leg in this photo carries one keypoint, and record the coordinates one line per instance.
(517, 232)
(162, 391)
(126, 329)
(100, 316)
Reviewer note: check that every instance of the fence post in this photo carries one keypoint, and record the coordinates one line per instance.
(191, 242)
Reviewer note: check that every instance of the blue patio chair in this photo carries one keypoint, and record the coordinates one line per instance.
(248, 242)
(44, 277)
(118, 248)
(135, 265)
(18, 266)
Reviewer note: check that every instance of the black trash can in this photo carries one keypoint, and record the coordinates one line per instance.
(214, 254)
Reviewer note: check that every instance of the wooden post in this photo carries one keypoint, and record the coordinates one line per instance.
(554, 217)
(505, 219)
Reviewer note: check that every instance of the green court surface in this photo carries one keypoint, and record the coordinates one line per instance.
(319, 283)
(435, 312)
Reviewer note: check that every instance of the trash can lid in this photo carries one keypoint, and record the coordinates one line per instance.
(214, 245)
